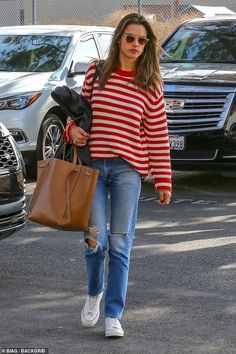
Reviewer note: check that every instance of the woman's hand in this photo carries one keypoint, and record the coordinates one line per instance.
(165, 197)
(78, 136)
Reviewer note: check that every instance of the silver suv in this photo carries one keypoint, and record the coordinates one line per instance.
(33, 61)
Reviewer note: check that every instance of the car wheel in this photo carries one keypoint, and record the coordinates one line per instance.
(49, 137)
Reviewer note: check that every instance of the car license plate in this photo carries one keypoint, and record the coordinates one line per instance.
(177, 142)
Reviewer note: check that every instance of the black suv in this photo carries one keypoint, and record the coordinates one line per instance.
(198, 66)
(12, 186)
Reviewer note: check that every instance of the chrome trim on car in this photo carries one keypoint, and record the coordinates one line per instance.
(12, 207)
(229, 157)
(199, 159)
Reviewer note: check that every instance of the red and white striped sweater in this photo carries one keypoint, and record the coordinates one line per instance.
(128, 123)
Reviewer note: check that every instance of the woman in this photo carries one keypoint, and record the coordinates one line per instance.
(128, 138)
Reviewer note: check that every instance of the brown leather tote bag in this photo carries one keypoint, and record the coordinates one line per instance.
(63, 194)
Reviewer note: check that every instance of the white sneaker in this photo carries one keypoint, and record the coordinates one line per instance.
(113, 328)
(90, 312)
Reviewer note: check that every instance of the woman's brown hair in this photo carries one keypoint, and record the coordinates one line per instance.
(147, 67)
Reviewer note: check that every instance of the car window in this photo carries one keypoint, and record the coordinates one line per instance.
(204, 42)
(28, 53)
(85, 52)
(104, 42)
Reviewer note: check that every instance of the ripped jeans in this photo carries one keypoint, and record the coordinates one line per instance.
(122, 183)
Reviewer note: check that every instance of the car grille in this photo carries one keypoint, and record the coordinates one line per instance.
(8, 157)
(190, 109)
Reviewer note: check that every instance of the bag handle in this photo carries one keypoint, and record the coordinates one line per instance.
(76, 157)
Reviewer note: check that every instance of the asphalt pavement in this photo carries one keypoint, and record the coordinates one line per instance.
(181, 294)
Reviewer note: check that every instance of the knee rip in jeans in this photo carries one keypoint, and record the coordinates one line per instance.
(118, 234)
(90, 239)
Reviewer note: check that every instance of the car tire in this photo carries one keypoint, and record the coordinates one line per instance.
(48, 140)
(49, 137)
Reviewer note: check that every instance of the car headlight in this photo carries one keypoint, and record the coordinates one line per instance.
(20, 101)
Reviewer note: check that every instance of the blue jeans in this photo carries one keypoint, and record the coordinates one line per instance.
(122, 183)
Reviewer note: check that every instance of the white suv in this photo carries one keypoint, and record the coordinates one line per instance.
(33, 61)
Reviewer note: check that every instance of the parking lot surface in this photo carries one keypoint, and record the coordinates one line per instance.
(181, 295)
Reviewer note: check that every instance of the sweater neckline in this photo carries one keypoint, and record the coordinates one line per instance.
(125, 72)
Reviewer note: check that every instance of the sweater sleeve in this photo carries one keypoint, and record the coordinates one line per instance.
(66, 134)
(86, 92)
(87, 87)
(157, 139)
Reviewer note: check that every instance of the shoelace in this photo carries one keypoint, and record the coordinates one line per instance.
(91, 304)
(115, 323)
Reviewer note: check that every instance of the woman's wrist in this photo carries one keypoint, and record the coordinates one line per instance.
(69, 127)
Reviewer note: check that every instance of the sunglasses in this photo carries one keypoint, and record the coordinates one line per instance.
(130, 38)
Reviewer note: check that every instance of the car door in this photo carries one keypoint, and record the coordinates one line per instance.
(85, 51)
(104, 41)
